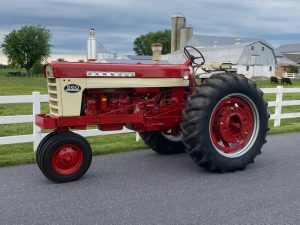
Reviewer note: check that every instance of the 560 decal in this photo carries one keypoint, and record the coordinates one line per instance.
(72, 88)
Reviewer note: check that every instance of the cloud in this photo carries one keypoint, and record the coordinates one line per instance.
(119, 22)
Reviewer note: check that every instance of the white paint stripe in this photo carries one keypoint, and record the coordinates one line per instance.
(135, 82)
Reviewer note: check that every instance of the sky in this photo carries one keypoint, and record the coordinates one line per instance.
(119, 22)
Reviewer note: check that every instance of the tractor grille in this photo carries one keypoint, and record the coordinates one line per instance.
(53, 96)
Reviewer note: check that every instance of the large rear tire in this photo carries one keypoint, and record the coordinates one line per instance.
(163, 143)
(65, 157)
(225, 123)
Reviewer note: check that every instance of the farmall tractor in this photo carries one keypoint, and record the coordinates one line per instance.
(221, 123)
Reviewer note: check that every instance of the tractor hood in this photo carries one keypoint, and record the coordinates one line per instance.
(111, 70)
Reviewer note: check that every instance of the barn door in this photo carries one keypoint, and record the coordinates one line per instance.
(258, 71)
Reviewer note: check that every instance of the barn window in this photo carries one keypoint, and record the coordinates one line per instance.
(252, 48)
(270, 68)
(263, 48)
(247, 68)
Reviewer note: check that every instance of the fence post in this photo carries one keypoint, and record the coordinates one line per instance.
(278, 106)
(137, 137)
(36, 109)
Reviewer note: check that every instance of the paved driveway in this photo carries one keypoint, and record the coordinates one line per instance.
(145, 188)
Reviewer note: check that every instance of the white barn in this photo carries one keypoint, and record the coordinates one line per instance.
(251, 59)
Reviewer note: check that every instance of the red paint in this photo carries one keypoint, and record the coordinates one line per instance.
(231, 124)
(46, 121)
(139, 109)
(67, 159)
(79, 70)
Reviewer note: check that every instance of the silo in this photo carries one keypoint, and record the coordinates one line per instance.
(91, 46)
(178, 22)
(185, 35)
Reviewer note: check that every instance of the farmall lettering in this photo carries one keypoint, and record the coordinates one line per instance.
(221, 123)
(109, 74)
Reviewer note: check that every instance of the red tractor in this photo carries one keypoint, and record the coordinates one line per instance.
(221, 123)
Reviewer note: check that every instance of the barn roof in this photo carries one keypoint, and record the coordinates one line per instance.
(284, 61)
(226, 53)
(205, 40)
(289, 48)
(137, 57)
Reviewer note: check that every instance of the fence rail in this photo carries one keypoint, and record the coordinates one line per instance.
(36, 100)
(37, 135)
(278, 103)
(291, 75)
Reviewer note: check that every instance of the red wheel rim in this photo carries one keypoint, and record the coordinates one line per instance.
(232, 125)
(67, 159)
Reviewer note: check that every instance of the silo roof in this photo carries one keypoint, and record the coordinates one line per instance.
(177, 14)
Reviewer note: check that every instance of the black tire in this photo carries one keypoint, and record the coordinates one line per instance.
(65, 157)
(41, 145)
(161, 144)
(225, 123)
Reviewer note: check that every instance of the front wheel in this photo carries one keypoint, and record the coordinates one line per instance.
(225, 123)
(65, 157)
(41, 145)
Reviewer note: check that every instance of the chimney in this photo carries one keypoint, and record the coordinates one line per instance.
(156, 50)
(91, 46)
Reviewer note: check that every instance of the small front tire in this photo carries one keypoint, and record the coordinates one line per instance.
(65, 157)
(41, 145)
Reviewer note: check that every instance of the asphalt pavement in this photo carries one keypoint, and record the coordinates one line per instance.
(143, 187)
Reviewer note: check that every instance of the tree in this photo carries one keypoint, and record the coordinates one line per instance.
(61, 60)
(37, 68)
(293, 69)
(27, 46)
(142, 44)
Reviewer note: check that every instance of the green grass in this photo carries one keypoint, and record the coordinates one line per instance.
(15, 154)
(23, 153)
(10, 85)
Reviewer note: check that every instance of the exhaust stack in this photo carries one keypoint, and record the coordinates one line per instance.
(91, 46)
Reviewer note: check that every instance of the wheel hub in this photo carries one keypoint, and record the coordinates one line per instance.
(231, 124)
(67, 159)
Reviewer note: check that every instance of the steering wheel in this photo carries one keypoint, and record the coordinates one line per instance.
(192, 57)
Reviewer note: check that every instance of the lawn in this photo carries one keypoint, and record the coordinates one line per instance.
(23, 153)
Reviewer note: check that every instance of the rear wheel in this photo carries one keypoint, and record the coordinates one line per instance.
(65, 157)
(164, 142)
(225, 123)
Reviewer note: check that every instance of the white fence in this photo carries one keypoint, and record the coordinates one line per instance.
(278, 103)
(291, 75)
(36, 136)
(36, 100)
